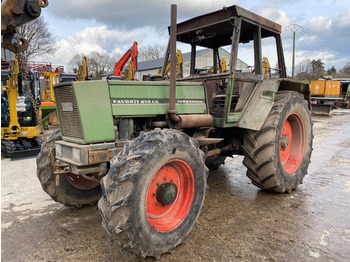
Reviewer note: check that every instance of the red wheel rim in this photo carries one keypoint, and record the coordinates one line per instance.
(82, 183)
(292, 143)
(166, 217)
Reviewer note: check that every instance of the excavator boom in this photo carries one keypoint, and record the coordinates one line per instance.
(132, 54)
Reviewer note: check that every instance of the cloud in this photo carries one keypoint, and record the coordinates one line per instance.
(102, 39)
(133, 14)
(114, 25)
(277, 15)
(322, 37)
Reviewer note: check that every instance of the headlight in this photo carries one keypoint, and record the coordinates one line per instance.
(77, 155)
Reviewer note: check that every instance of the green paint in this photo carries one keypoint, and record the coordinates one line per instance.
(93, 101)
(130, 98)
(156, 109)
(259, 105)
(46, 112)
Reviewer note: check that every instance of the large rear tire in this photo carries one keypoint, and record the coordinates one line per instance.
(277, 156)
(68, 189)
(154, 192)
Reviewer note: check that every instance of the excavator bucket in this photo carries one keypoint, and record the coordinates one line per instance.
(322, 109)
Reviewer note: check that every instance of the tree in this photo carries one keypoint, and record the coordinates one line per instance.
(75, 62)
(345, 72)
(332, 71)
(99, 64)
(41, 41)
(304, 66)
(317, 68)
(310, 69)
(151, 52)
(304, 70)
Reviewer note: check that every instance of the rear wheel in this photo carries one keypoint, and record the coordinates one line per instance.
(68, 188)
(277, 156)
(154, 192)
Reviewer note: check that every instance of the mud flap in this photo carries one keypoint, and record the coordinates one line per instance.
(322, 109)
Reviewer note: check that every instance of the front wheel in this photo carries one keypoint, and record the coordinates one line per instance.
(67, 188)
(154, 192)
(277, 156)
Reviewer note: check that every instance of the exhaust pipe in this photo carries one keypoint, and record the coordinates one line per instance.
(181, 121)
(172, 97)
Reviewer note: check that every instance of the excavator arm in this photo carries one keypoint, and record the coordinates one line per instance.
(15, 13)
(132, 54)
(83, 72)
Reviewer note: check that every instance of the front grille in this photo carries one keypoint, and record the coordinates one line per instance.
(70, 120)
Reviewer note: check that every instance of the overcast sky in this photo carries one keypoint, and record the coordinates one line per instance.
(111, 26)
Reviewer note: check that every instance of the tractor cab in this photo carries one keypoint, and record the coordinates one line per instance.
(239, 42)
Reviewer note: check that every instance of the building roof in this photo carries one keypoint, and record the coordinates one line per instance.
(157, 63)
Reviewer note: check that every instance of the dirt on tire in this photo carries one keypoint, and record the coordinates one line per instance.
(262, 148)
(59, 188)
(125, 190)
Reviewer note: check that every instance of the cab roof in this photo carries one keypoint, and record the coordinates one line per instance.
(215, 29)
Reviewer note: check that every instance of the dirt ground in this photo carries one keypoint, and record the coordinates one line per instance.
(240, 223)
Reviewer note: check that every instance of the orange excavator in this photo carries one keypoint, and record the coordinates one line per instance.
(129, 73)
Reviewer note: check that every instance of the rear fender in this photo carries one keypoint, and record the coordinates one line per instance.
(259, 104)
(261, 101)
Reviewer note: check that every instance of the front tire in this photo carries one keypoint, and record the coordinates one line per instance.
(68, 188)
(154, 192)
(277, 156)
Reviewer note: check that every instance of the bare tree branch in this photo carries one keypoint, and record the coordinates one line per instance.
(75, 62)
(41, 41)
(99, 64)
(151, 52)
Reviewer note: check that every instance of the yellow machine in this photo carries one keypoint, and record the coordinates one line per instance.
(20, 99)
(221, 67)
(19, 125)
(129, 72)
(83, 72)
(325, 88)
(50, 79)
(164, 73)
(266, 67)
(48, 105)
(323, 94)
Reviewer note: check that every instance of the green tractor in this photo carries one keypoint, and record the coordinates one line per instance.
(145, 147)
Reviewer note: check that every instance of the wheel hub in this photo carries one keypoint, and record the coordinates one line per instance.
(166, 193)
(284, 142)
(170, 195)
